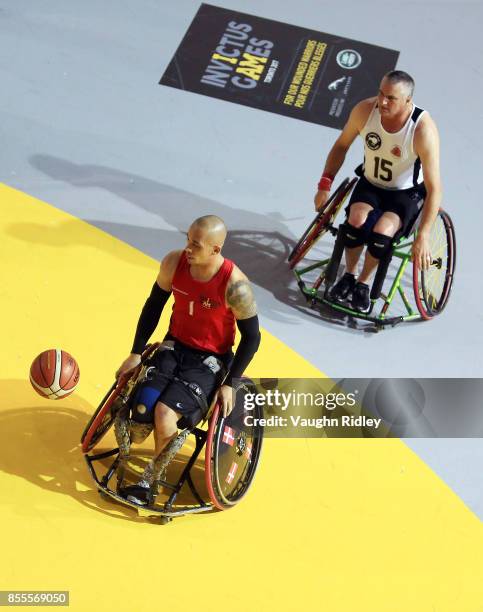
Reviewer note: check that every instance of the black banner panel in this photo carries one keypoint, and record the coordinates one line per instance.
(276, 67)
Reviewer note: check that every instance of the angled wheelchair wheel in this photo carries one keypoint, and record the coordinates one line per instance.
(232, 452)
(432, 287)
(323, 220)
(103, 418)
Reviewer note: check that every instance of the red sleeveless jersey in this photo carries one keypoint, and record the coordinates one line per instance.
(200, 317)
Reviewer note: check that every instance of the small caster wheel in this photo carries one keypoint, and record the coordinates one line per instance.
(164, 520)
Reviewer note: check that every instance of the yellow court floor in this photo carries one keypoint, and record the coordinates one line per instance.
(336, 525)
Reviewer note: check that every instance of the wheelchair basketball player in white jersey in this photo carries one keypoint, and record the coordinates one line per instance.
(401, 166)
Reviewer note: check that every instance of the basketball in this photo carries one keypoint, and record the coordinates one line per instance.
(54, 374)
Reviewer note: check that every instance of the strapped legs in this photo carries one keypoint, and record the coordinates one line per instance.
(128, 431)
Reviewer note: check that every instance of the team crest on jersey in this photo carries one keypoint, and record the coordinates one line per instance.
(396, 151)
(207, 303)
(373, 141)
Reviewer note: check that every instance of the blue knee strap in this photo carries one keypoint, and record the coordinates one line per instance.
(144, 402)
(142, 410)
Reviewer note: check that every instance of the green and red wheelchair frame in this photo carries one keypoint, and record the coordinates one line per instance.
(232, 452)
(431, 288)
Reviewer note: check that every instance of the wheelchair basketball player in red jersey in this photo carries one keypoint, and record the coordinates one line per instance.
(196, 363)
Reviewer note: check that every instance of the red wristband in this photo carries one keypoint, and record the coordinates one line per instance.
(325, 182)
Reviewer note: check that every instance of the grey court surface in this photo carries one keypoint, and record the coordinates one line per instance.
(86, 127)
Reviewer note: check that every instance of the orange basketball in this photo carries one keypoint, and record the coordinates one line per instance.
(54, 374)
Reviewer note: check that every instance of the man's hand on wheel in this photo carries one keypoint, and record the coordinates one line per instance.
(421, 252)
(225, 397)
(320, 199)
(128, 364)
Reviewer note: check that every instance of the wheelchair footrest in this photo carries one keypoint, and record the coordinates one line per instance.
(151, 510)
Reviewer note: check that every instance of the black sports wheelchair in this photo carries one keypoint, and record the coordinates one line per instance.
(232, 451)
(431, 288)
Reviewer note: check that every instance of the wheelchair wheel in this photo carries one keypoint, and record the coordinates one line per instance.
(232, 451)
(101, 421)
(323, 220)
(432, 287)
(103, 418)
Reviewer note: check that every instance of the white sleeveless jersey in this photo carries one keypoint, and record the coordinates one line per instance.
(389, 159)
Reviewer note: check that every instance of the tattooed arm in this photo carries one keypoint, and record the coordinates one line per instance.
(240, 299)
(239, 296)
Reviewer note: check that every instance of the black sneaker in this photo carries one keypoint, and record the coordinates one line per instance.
(360, 297)
(341, 290)
(136, 494)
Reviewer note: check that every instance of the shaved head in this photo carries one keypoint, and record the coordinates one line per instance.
(213, 228)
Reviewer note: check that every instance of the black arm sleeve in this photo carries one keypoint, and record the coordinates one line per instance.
(249, 343)
(149, 318)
